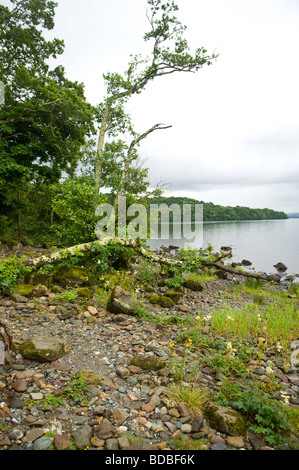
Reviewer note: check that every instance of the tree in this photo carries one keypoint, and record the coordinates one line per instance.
(170, 54)
(45, 117)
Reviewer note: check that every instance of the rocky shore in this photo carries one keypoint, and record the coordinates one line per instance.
(98, 379)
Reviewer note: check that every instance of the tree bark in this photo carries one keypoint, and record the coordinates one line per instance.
(135, 244)
(130, 157)
(100, 147)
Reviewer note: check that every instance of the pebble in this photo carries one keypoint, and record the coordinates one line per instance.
(127, 399)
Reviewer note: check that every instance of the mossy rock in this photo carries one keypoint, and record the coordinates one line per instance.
(35, 279)
(43, 348)
(149, 288)
(122, 301)
(71, 275)
(193, 285)
(161, 300)
(84, 293)
(225, 419)
(25, 290)
(148, 362)
(173, 295)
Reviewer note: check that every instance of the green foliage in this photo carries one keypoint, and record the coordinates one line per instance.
(146, 273)
(213, 212)
(74, 205)
(11, 270)
(45, 118)
(67, 295)
(266, 416)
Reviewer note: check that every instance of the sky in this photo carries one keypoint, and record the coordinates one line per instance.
(234, 138)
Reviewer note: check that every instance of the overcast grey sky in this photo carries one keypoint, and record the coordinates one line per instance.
(235, 125)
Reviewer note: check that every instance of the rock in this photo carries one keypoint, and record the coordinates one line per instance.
(43, 348)
(218, 446)
(186, 428)
(120, 416)
(40, 290)
(43, 443)
(161, 300)
(16, 433)
(121, 301)
(63, 313)
(123, 443)
(19, 385)
(173, 295)
(273, 277)
(62, 442)
(111, 444)
(236, 441)
(256, 440)
(16, 402)
(20, 299)
(281, 267)
(148, 362)
(245, 262)
(33, 434)
(24, 290)
(148, 407)
(183, 410)
(92, 310)
(193, 285)
(197, 423)
(84, 293)
(35, 279)
(71, 275)
(225, 419)
(122, 372)
(82, 437)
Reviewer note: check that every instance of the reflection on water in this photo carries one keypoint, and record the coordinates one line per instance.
(263, 242)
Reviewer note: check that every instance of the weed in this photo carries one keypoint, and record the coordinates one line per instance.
(190, 396)
(182, 443)
(67, 295)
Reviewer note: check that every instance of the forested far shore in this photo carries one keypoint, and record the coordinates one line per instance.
(214, 212)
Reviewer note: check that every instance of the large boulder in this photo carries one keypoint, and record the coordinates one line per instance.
(225, 419)
(121, 301)
(43, 348)
(71, 276)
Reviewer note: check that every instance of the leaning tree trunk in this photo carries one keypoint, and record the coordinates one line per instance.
(130, 158)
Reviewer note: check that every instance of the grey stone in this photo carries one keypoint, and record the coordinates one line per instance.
(82, 437)
(197, 423)
(218, 446)
(43, 443)
(111, 444)
(121, 302)
(17, 433)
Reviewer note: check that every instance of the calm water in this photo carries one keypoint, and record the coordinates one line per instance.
(264, 243)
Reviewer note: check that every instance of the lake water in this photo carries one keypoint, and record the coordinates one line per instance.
(263, 242)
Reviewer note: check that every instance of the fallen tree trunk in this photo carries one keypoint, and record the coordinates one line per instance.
(86, 247)
(136, 245)
(227, 269)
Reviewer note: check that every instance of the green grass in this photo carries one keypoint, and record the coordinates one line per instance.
(191, 396)
(274, 322)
